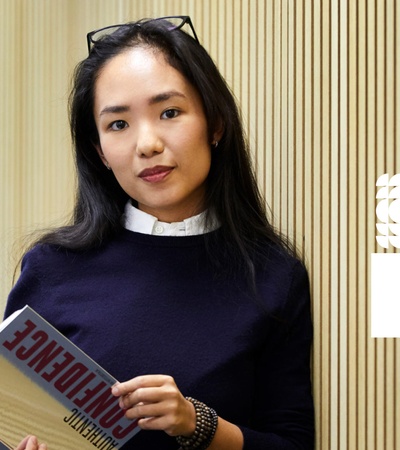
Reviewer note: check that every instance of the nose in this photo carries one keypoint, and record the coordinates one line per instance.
(148, 142)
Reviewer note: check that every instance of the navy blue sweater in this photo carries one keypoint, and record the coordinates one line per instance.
(145, 304)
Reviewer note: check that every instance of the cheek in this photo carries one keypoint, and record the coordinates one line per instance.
(115, 153)
(200, 163)
(195, 146)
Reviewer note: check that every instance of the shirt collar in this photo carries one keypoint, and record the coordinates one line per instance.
(136, 220)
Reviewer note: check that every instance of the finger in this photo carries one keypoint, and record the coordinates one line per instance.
(142, 381)
(141, 410)
(32, 443)
(23, 443)
(42, 447)
(145, 395)
(159, 423)
(151, 423)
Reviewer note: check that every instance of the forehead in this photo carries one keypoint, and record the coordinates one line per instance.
(138, 71)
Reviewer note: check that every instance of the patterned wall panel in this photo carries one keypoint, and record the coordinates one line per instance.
(318, 83)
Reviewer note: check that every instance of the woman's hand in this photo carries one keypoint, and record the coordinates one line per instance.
(31, 443)
(158, 404)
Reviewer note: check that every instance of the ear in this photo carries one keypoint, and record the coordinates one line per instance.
(219, 131)
(102, 157)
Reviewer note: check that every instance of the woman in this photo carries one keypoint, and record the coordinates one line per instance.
(170, 261)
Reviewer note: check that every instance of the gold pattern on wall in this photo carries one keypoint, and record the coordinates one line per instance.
(318, 82)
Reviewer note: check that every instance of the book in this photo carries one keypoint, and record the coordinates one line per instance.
(53, 390)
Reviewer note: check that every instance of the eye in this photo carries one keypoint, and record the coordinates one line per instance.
(118, 125)
(170, 114)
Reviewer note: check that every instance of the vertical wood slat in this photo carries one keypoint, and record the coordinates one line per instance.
(319, 87)
(336, 362)
(352, 219)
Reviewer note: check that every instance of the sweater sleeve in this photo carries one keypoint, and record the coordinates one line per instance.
(283, 412)
(27, 290)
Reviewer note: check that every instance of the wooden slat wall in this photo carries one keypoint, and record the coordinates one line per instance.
(318, 82)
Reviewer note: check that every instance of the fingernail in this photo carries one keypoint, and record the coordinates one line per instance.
(115, 390)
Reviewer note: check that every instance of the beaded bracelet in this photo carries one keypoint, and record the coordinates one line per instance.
(206, 426)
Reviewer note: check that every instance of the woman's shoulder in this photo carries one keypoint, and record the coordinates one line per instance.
(38, 263)
(282, 273)
(44, 254)
(274, 255)
(48, 253)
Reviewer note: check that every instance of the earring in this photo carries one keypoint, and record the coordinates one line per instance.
(215, 143)
(108, 166)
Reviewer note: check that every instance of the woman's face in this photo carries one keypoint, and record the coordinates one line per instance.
(153, 133)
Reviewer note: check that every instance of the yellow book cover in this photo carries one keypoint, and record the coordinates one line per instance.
(51, 389)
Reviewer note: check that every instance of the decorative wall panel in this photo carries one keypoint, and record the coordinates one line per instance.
(318, 82)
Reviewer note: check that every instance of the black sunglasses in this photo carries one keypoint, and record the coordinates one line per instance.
(177, 22)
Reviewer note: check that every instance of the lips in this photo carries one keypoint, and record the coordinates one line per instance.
(155, 174)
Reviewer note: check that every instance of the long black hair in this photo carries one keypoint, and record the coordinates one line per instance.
(232, 194)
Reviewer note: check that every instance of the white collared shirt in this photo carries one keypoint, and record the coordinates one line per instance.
(136, 220)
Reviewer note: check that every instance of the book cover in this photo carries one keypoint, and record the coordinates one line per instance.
(51, 389)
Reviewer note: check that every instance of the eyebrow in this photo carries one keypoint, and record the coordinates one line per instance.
(158, 98)
(114, 109)
(165, 96)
